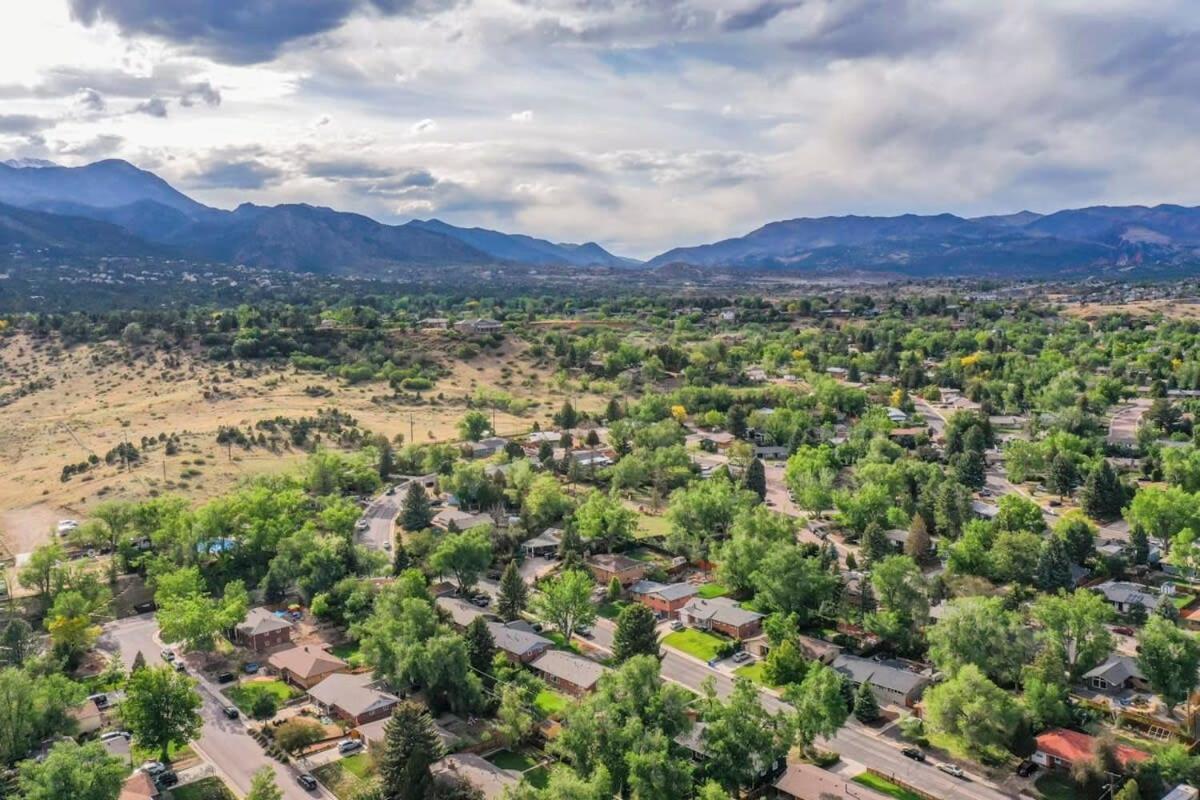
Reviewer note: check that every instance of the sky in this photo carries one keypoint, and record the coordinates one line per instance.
(639, 124)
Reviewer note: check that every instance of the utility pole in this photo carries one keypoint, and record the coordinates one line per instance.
(410, 428)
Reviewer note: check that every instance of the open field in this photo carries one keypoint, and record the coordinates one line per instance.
(66, 404)
(1171, 309)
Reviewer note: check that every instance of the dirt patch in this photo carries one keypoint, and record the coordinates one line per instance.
(23, 529)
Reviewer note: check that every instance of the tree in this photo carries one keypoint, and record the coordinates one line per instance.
(1045, 695)
(785, 664)
(875, 544)
(410, 746)
(473, 426)
(566, 602)
(900, 587)
(918, 543)
(514, 594)
(514, 722)
(1162, 512)
(740, 736)
(263, 786)
(297, 734)
(705, 510)
(1077, 624)
(980, 631)
(970, 469)
(971, 707)
(636, 633)
(604, 522)
(33, 708)
(810, 474)
(464, 555)
(1103, 496)
(1063, 477)
(17, 643)
(186, 613)
(161, 708)
(545, 503)
(481, 647)
(416, 513)
(1129, 791)
(39, 571)
(115, 517)
(1014, 556)
(71, 625)
(756, 478)
(400, 557)
(866, 706)
(1078, 535)
(567, 416)
(791, 581)
(820, 705)
(139, 662)
(1017, 513)
(1054, 566)
(1169, 658)
(70, 770)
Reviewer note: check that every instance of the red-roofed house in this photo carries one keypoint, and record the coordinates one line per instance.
(1061, 748)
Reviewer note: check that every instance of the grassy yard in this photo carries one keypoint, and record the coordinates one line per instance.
(551, 703)
(521, 762)
(754, 672)
(1056, 786)
(360, 765)
(349, 652)
(649, 525)
(337, 779)
(885, 786)
(244, 695)
(611, 610)
(700, 644)
(711, 590)
(206, 789)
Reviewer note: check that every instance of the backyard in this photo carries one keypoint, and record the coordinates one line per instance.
(700, 644)
(551, 703)
(523, 763)
(246, 695)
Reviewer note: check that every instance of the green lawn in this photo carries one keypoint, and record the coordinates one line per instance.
(206, 789)
(349, 652)
(359, 765)
(611, 610)
(1056, 786)
(551, 703)
(533, 774)
(754, 672)
(560, 641)
(885, 786)
(711, 590)
(337, 779)
(700, 644)
(244, 695)
(649, 525)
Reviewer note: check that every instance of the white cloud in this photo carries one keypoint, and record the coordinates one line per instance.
(522, 116)
(424, 126)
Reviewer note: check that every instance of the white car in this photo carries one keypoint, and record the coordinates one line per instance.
(952, 769)
(65, 526)
(361, 525)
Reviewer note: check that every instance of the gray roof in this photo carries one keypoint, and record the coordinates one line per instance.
(667, 591)
(721, 609)
(583, 672)
(516, 641)
(475, 771)
(352, 694)
(261, 620)
(1126, 593)
(462, 612)
(896, 679)
(1116, 670)
(551, 537)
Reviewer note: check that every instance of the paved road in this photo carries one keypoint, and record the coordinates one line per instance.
(380, 516)
(224, 742)
(853, 742)
(933, 418)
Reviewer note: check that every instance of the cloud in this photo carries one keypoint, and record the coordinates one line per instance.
(246, 174)
(23, 123)
(89, 100)
(424, 126)
(346, 168)
(154, 107)
(202, 92)
(522, 116)
(757, 15)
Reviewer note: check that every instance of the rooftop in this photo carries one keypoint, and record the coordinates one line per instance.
(306, 661)
(262, 620)
(1072, 746)
(353, 694)
(582, 672)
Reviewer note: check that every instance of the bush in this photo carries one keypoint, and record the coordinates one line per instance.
(264, 706)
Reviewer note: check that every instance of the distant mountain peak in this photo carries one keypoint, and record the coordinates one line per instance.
(28, 163)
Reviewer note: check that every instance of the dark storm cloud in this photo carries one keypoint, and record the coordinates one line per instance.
(758, 15)
(23, 123)
(244, 174)
(236, 31)
(337, 168)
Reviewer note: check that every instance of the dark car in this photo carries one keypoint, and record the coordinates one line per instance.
(913, 753)
(144, 608)
(166, 778)
(481, 600)
(1026, 768)
(225, 677)
(230, 711)
(307, 781)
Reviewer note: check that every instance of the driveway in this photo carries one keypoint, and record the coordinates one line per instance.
(223, 742)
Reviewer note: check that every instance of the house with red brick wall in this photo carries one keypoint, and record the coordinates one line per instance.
(353, 698)
(262, 630)
(664, 599)
(721, 615)
(568, 672)
(607, 566)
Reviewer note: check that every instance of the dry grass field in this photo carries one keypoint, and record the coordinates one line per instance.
(88, 399)
(1170, 309)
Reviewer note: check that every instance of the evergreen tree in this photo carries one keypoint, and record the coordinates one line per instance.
(139, 662)
(1054, 566)
(1140, 543)
(756, 478)
(514, 594)
(866, 707)
(545, 452)
(613, 411)
(1102, 496)
(875, 544)
(400, 559)
(410, 746)
(567, 417)
(970, 468)
(735, 421)
(636, 634)
(1063, 476)
(918, 544)
(481, 647)
(17, 643)
(416, 514)
(570, 549)
(614, 589)
(387, 458)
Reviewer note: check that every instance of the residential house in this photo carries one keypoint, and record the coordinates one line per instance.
(461, 612)
(1061, 748)
(718, 440)
(353, 698)
(478, 325)
(263, 629)
(138, 786)
(462, 520)
(374, 733)
(544, 545)
(892, 682)
(305, 665)
(984, 509)
(593, 459)
(568, 672)
(606, 566)
(801, 781)
(664, 599)
(486, 448)
(518, 641)
(1125, 595)
(722, 615)
(810, 647)
(693, 743)
(771, 452)
(896, 415)
(1117, 673)
(1182, 792)
(434, 323)
(476, 772)
(756, 375)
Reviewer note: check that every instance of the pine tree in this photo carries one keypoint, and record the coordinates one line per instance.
(1054, 566)
(567, 417)
(918, 544)
(400, 559)
(970, 468)
(875, 544)
(614, 589)
(1102, 496)
(514, 594)
(570, 549)
(1140, 543)
(613, 412)
(481, 647)
(636, 634)
(866, 706)
(1063, 476)
(416, 514)
(139, 662)
(756, 478)
(410, 746)
(735, 420)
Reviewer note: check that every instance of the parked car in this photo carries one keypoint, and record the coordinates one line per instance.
(740, 656)
(111, 735)
(230, 711)
(307, 781)
(166, 778)
(153, 768)
(168, 654)
(913, 753)
(179, 665)
(349, 746)
(1124, 630)
(144, 608)
(1026, 768)
(584, 631)
(101, 700)
(676, 625)
(225, 677)
(361, 525)
(481, 600)
(250, 667)
(952, 769)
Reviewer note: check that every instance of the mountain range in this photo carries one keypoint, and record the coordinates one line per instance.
(114, 208)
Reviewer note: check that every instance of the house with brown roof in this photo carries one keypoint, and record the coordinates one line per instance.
(606, 566)
(306, 665)
(809, 782)
(138, 786)
(476, 772)
(722, 615)
(262, 629)
(1062, 748)
(518, 641)
(664, 599)
(568, 672)
(462, 520)
(353, 698)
